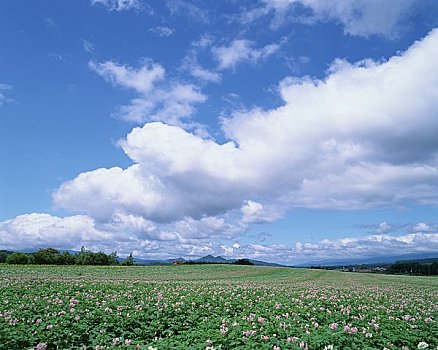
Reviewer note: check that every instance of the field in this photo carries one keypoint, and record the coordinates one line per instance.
(213, 307)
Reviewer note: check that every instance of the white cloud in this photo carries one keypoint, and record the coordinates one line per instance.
(421, 227)
(188, 238)
(360, 17)
(241, 50)
(88, 46)
(118, 5)
(43, 230)
(378, 245)
(158, 100)
(254, 212)
(162, 31)
(141, 80)
(3, 98)
(345, 142)
(189, 10)
(190, 64)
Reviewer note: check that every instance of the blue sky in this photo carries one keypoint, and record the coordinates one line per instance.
(282, 130)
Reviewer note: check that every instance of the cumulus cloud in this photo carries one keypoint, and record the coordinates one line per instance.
(157, 100)
(118, 5)
(241, 50)
(176, 174)
(123, 233)
(344, 142)
(378, 245)
(359, 18)
(190, 239)
(42, 230)
(254, 212)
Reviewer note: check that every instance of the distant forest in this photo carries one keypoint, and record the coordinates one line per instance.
(414, 268)
(51, 256)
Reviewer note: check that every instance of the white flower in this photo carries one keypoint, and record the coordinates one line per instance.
(422, 345)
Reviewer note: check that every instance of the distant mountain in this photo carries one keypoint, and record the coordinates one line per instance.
(205, 259)
(139, 261)
(212, 259)
(220, 259)
(371, 260)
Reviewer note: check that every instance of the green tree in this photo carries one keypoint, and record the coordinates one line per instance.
(243, 262)
(19, 258)
(48, 256)
(129, 261)
(3, 255)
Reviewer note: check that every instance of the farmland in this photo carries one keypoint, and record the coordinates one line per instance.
(213, 307)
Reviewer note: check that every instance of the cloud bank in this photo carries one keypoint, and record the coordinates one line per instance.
(364, 137)
(144, 240)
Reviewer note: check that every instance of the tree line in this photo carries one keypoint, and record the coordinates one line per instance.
(414, 268)
(51, 256)
(235, 262)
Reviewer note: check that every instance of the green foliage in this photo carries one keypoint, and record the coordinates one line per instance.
(129, 261)
(3, 255)
(48, 256)
(19, 258)
(243, 262)
(415, 268)
(86, 257)
(51, 256)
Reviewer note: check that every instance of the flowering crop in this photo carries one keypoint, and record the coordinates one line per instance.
(213, 307)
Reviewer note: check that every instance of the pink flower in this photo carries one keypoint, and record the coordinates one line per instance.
(49, 326)
(261, 319)
(38, 321)
(115, 341)
(333, 326)
(77, 318)
(41, 346)
(128, 342)
(316, 325)
(248, 333)
(304, 345)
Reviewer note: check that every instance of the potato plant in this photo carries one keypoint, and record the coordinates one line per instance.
(213, 307)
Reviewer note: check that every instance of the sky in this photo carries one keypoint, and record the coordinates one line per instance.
(281, 130)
